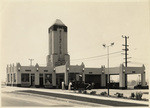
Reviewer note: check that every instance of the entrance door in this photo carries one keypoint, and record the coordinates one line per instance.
(41, 80)
(59, 80)
(32, 80)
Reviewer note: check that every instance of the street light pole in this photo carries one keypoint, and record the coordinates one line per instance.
(107, 46)
(108, 68)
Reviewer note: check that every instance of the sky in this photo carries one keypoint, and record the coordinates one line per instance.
(24, 31)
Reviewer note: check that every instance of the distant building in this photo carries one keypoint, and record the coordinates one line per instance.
(58, 67)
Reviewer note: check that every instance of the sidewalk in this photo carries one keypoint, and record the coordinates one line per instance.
(81, 97)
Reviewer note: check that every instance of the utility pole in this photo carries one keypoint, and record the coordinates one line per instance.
(126, 56)
(31, 61)
(126, 50)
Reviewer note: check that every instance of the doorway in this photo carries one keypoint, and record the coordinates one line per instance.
(32, 80)
(114, 81)
(59, 80)
(133, 81)
(41, 80)
(96, 79)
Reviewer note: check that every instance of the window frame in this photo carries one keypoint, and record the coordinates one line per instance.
(14, 77)
(26, 78)
(48, 79)
(8, 79)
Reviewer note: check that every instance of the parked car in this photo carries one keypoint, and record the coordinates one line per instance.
(76, 85)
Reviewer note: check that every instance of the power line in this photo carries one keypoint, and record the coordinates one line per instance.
(96, 56)
(93, 58)
(100, 58)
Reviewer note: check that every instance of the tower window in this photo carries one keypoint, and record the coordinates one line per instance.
(60, 42)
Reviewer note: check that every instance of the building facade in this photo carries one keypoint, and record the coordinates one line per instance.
(59, 70)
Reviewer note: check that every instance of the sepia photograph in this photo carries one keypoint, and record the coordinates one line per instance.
(75, 53)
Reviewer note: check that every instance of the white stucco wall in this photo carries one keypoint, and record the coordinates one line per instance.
(60, 69)
(36, 70)
(134, 70)
(92, 70)
(114, 70)
(75, 69)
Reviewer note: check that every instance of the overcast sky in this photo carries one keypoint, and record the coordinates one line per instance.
(24, 32)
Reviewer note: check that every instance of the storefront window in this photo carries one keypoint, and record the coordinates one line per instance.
(11, 77)
(14, 77)
(8, 77)
(48, 79)
(25, 77)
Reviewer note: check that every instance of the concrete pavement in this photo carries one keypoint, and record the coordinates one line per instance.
(11, 98)
(108, 101)
(86, 99)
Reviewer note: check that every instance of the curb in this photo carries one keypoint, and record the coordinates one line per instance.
(84, 99)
